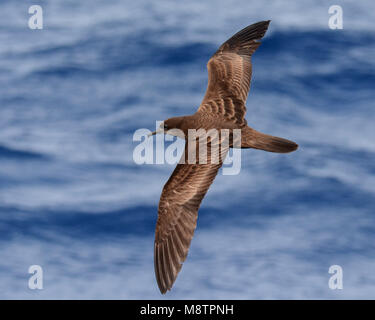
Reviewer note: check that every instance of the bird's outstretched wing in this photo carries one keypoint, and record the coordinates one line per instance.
(178, 212)
(229, 75)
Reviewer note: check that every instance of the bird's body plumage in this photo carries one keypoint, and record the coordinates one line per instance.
(223, 107)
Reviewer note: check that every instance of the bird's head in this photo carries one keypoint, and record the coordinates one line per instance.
(173, 126)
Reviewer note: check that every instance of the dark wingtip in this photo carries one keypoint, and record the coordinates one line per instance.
(261, 28)
(245, 41)
(252, 32)
(266, 23)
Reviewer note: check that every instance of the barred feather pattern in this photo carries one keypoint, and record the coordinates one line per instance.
(229, 75)
(178, 211)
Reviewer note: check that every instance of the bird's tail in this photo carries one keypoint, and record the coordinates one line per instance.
(251, 138)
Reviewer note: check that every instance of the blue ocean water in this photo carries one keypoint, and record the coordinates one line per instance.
(73, 201)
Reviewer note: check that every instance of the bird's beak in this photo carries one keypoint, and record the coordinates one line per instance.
(155, 132)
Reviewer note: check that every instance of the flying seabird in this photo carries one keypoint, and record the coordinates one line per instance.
(223, 107)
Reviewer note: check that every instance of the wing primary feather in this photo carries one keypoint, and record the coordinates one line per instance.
(158, 268)
(173, 255)
(168, 273)
(255, 31)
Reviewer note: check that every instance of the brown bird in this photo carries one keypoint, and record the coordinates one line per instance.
(223, 107)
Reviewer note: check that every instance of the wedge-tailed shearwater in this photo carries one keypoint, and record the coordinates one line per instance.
(223, 107)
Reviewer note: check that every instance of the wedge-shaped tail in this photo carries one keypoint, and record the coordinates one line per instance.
(251, 138)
